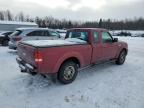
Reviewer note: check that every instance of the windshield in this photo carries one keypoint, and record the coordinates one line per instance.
(82, 35)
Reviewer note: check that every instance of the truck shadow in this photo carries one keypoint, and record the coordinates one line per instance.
(39, 81)
(31, 85)
(97, 69)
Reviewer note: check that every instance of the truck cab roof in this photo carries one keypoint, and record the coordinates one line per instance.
(97, 29)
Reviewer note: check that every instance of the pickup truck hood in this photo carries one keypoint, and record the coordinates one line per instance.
(50, 43)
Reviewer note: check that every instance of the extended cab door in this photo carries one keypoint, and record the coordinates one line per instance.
(97, 48)
(109, 48)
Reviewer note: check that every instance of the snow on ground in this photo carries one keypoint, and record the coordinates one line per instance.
(134, 33)
(101, 86)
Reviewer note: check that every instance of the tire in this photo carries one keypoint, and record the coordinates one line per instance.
(121, 59)
(5, 43)
(68, 72)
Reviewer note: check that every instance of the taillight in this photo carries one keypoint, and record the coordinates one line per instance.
(38, 56)
(17, 38)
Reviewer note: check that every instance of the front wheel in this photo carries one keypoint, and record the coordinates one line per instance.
(5, 43)
(68, 72)
(121, 59)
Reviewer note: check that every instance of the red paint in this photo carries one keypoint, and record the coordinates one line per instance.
(38, 57)
(49, 60)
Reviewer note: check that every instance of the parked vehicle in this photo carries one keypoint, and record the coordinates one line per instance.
(4, 37)
(24, 34)
(82, 47)
(142, 35)
(124, 34)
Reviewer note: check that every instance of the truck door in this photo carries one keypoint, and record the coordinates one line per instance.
(97, 48)
(109, 48)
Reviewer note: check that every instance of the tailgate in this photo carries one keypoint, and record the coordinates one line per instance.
(26, 53)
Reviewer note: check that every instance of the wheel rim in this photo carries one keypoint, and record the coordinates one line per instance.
(69, 72)
(122, 57)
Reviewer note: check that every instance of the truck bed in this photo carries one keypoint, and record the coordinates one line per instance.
(49, 43)
(52, 54)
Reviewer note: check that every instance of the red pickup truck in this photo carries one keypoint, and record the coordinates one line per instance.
(82, 47)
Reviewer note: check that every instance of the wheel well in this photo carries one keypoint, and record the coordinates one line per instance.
(124, 49)
(74, 59)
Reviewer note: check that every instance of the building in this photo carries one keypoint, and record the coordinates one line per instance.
(12, 25)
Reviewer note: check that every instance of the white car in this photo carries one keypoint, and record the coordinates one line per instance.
(24, 34)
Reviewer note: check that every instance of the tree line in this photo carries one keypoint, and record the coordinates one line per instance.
(51, 22)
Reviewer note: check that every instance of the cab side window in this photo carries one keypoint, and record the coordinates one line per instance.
(96, 37)
(106, 38)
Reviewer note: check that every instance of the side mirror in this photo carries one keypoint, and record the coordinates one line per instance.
(115, 40)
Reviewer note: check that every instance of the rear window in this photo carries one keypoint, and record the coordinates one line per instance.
(16, 33)
(83, 35)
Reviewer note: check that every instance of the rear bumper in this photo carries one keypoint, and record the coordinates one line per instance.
(25, 67)
(12, 45)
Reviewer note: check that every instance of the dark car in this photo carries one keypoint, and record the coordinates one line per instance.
(124, 34)
(142, 35)
(4, 37)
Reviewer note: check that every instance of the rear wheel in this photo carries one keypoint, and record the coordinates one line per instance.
(121, 59)
(68, 72)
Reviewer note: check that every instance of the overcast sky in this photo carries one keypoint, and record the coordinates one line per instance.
(77, 9)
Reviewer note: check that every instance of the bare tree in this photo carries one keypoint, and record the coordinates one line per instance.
(20, 16)
(8, 15)
(51, 22)
(1, 15)
(27, 18)
(100, 23)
